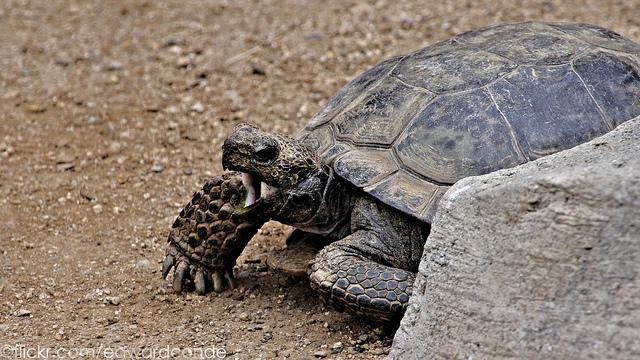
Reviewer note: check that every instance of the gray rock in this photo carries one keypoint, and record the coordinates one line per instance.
(198, 107)
(97, 209)
(23, 313)
(67, 166)
(337, 348)
(157, 167)
(244, 316)
(321, 354)
(113, 65)
(538, 261)
(113, 300)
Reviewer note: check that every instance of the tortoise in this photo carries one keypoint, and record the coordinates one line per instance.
(365, 175)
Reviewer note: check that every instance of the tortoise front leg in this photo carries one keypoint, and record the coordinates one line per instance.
(345, 275)
(209, 235)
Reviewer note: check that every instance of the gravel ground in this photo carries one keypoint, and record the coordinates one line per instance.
(112, 113)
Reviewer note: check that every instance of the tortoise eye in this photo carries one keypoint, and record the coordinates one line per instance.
(266, 155)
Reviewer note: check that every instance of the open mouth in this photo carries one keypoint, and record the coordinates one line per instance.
(256, 189)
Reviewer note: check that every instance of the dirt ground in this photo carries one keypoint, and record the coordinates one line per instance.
(113, 112)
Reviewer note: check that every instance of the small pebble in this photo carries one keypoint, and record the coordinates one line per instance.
(97, 208)
(183, 61)
(321, 354)
(37, 108)
(64, 62)
(113, 300)
(258, 70)
(363, 338)
(175, 49)
(113, 66)
(23, 313)
(66, 167)
(197, 107)
(91, 120)
(337, 348)
(244, 316)
(157, 168)
(172, 109)
(87, 196)
(115, 147)
(7, 150)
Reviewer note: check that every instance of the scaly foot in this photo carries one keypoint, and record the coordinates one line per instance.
(209, 235)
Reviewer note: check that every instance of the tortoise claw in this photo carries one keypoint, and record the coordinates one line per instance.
(188, 272)
(178, 276)
(231, 281)
(217, 281)
(167, 264)
(201, 284)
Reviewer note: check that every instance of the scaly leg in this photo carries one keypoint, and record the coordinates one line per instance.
(209, 235)
(345, 275)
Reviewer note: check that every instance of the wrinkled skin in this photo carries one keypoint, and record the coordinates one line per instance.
(374, 250)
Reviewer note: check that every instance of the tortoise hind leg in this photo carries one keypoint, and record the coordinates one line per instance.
(345, 275)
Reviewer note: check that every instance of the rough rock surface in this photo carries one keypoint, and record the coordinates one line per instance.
(538, 261)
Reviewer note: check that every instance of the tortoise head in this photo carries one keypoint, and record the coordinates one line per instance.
(275, 167)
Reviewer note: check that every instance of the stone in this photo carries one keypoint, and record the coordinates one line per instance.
(113, 300)
(66, 166)
(197, 107)
(258, 70)
(321, 354)
(113, 65)
(183, 61)
(23, 313)
(172, 110)
(244, 316)
(156, 168)
(537, 261)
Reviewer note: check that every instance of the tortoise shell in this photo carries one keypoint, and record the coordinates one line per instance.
(411, 126)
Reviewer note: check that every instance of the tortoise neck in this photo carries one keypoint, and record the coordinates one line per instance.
(323, 207)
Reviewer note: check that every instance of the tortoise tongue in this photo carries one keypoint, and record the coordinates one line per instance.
(256, 189)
